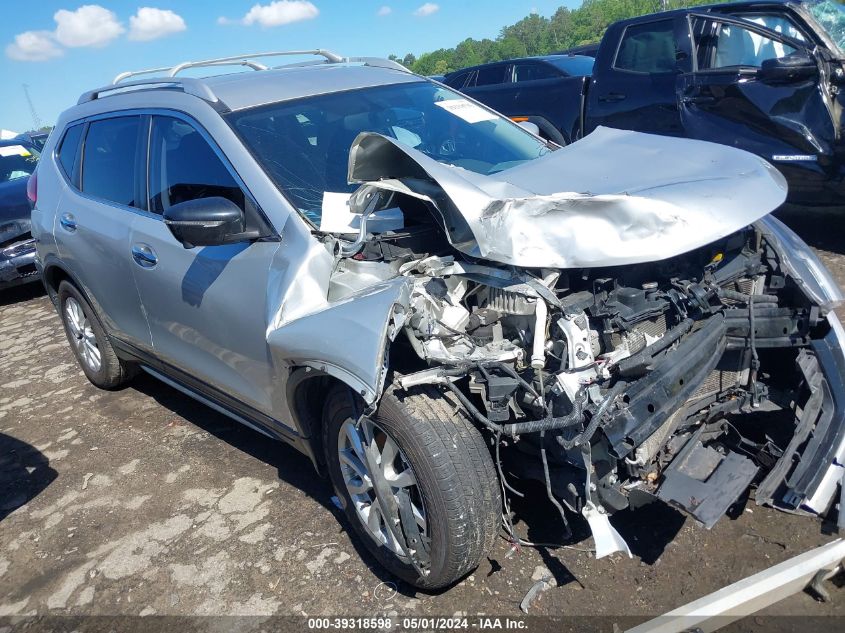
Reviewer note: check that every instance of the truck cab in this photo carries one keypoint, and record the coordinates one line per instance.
(760, 76)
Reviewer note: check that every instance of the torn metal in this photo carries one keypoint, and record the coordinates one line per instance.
(615, 197)
(651, 338)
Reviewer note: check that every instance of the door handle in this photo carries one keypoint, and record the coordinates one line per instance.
(144, 256)
(68, 222)
(698, 100)
(612, 97)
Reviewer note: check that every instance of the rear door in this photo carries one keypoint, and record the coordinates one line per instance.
(489, 85)
(634, 84)
(95, 218)
(730, 99)
(207, 306)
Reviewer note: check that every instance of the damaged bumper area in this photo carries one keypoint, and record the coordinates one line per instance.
(17, 254)
(649, 339)
(685, 381)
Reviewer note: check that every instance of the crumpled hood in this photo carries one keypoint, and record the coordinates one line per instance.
(613, 198)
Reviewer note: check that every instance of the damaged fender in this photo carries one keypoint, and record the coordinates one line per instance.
(348, 339)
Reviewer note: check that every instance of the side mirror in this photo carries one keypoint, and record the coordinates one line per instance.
(793, 67)
(531, 127)
(206, 222)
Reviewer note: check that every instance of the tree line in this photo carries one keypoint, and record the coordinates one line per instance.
(538, 35)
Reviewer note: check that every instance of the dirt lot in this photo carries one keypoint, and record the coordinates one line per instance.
(144, 502)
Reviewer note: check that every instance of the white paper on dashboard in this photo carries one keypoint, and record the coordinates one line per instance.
(467, 110)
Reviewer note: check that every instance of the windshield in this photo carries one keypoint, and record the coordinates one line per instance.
(304, 144)
(830, 15)
(17, 161)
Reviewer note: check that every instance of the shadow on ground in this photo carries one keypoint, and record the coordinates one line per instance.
(292, 467)
(24, 474)
(19, 294)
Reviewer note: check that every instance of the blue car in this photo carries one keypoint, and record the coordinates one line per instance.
(18, 159)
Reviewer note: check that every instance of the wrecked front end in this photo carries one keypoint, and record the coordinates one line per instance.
(615, 376)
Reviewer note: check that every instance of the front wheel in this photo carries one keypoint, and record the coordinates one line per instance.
(417, 483)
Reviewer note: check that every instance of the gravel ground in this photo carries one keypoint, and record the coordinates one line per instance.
(141, 502)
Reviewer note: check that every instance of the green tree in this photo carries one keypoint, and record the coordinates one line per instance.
(538, 35)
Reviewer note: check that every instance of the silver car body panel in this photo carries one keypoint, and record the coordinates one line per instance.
(655, 197)
(347, 339)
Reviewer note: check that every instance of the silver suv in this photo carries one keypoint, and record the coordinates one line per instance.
(437, 306)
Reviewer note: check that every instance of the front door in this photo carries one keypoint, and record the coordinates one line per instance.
(207, 306)
(735, 98)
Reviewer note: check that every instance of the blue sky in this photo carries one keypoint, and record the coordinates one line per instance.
(61, 48)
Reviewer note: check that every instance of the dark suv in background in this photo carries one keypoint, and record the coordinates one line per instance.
(534, 89)
(18, 159)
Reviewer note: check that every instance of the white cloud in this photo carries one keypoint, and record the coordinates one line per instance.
(224, 21)
(385, 10)
(427, 9)
(33, 46)
(89, 25)
(150, 24)
(280, 12)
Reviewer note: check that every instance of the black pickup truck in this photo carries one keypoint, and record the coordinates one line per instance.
(765, 76)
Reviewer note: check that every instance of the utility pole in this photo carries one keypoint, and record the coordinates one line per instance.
(35, 120)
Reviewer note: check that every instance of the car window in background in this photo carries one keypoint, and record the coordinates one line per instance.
(108, 165)
(575, 65)
(17, 161)
(491, 75)
(183, 166)
(303, 145)
(830, 15)
(736, 46)
(69, 148)
(458, 81)
(533, 71)
(648, 48)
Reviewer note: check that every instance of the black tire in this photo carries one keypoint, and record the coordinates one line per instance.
(112, 372)
(453, 469)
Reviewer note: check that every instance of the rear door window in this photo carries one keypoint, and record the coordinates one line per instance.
(533, 71)
(458, 81)
(69, 149)
(491, 75)
(109, 160)
(648, 48)
(183, 166)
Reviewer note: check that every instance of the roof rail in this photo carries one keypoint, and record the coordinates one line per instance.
(235, 60)
(198, 88)
(188, 85)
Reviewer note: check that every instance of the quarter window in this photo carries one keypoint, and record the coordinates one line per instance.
(183, 166)
(69, 149)
(108, 165)
(648, 48)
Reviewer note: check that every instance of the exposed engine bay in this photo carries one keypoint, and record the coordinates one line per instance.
(684, 380)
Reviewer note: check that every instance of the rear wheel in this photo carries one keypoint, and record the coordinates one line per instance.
(89, 342)
(417, 483)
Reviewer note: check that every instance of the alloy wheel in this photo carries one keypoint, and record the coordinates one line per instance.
(82, 334)
(370, 457)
